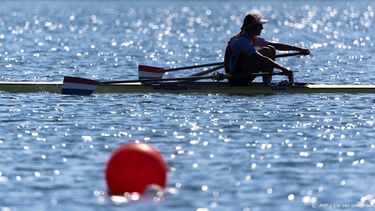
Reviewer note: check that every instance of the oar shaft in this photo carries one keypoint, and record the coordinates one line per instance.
(288, 54)
(152, 80)
(264, 74)
(198, 76)
(191, 78)
(222, 63)
(194, 66)
(208, 71)
(150, 70)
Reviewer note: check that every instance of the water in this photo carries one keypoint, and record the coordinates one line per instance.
(272, 152)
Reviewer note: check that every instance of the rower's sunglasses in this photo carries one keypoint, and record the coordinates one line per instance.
(259, 26)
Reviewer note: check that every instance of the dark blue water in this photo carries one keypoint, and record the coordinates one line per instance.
(275, 152)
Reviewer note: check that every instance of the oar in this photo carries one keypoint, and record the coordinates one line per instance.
(208, 71)
(151, 72)
(221, 66)
(83, 86)
(289, 54)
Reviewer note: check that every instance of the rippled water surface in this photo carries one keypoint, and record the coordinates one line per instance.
(264, 152)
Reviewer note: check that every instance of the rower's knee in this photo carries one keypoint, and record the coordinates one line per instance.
(268, 51)
(272, 50)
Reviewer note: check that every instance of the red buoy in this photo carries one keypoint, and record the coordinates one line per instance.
(133, 168)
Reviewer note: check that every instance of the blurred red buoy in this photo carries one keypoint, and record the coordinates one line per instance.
(133, 168)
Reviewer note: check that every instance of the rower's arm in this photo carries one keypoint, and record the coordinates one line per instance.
(287, 47)
(271, 62)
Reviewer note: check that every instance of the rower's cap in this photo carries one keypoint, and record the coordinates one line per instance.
(252, 20)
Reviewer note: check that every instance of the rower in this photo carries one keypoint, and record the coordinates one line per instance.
(243, 59)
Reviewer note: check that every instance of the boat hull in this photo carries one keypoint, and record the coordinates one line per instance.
(194, 87)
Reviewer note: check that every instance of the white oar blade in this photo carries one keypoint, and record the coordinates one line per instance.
(78, 86)
(150, 72)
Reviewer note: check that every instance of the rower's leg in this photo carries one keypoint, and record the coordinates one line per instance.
(251, 65)
(270, 52)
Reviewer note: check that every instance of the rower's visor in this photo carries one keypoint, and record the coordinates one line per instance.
(255, 23)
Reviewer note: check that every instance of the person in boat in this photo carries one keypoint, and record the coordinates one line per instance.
(248, 53)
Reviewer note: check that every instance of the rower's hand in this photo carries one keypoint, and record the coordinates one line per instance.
(305, 51)
(289, 73)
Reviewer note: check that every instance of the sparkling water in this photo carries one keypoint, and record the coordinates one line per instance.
(224, 152)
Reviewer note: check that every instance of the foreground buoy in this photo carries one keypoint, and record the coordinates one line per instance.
(133, 168)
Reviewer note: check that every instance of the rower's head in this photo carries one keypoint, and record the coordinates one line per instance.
(253, 24)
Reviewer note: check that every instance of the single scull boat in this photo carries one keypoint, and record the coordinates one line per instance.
(190, 87)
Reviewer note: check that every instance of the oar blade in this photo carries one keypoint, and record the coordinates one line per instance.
(150, 72)
(78, 86)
